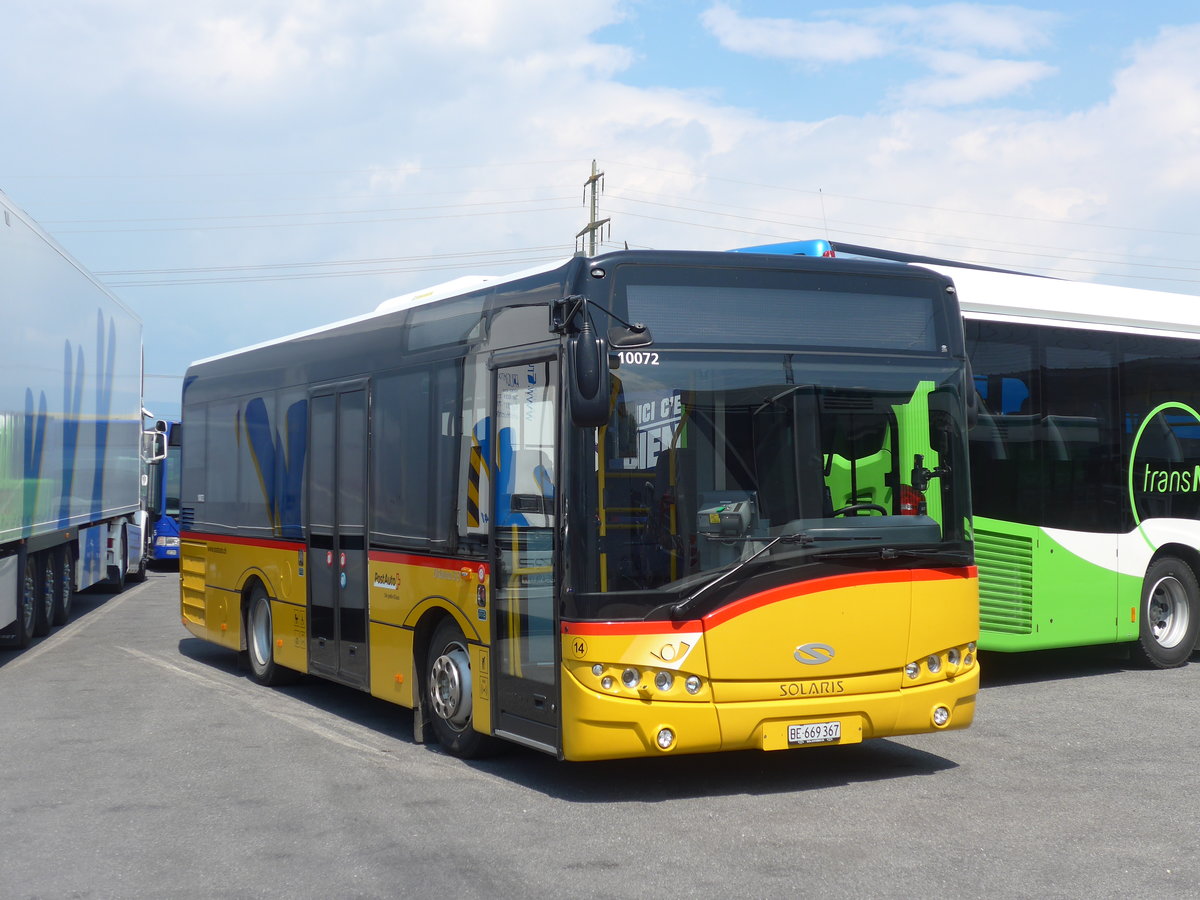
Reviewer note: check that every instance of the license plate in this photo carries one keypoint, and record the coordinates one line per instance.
(814, 733)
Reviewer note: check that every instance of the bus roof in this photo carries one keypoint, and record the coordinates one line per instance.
(987, 292)
(1006, 295)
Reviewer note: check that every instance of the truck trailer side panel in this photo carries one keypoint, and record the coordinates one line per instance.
(70, 420)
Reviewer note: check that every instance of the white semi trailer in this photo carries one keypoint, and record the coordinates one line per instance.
(70, 432)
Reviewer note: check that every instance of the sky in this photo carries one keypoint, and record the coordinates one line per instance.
(238, 170)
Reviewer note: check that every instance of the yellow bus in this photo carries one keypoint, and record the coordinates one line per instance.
(646, 503)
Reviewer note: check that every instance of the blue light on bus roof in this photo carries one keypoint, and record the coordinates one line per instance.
(818, 247)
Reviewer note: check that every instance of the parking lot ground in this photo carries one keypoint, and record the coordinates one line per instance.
(137, 761)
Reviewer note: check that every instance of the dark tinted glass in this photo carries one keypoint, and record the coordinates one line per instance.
(1006, 478)
(1160, 393)
(1047, 447)
(780, 308)
(415, 422)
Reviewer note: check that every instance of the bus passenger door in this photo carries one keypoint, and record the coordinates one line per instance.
(337, 534)
(524, 630)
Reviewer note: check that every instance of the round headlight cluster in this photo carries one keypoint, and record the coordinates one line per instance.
(951, 661)
(631, 678)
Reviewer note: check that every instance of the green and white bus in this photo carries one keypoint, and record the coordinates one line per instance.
(1085, 459)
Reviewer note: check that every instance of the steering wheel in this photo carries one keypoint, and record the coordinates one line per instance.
(855, 507)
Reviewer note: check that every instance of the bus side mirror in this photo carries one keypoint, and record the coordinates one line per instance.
(587, 377)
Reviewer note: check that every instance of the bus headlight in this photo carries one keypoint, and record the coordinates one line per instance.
(941, 716)
(664, 681)
(692, 684)
(935, 664)
(912, 670)
(630, 678)
(666, 738)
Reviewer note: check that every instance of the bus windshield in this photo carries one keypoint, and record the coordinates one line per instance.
(715, 460)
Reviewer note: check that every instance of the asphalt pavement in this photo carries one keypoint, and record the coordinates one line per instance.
(139, 762)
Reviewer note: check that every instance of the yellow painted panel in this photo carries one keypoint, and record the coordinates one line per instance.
(393, 675)
(290, 624)
(596, 726)
(215, 572)
(863, 627)
(481, 689)
(191, 587)
(945, 614)
(403, 585)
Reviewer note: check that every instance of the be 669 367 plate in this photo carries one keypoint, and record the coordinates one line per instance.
(814, 733)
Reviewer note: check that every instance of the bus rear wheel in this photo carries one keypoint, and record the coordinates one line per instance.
(1170, 615)
(260, 642)
(448, 692)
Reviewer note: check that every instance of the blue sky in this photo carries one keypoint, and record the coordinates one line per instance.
(679, 44)
(237, 170)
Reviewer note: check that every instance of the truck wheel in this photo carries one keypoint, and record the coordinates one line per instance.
(448, 693)
(260, 642)
(26, 605)
(116, 574)
(1170, 615)
(44, 605)
(138, 575)
(65, 593)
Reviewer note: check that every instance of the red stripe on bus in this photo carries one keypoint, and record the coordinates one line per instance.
(833, 583)
(429, 562)
(266, 543)
(631, 627)
(756, 601)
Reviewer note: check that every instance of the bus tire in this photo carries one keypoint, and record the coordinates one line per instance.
(260, 642)
(44, 607)
(64, 594)
(1170, 615)
(448, 693)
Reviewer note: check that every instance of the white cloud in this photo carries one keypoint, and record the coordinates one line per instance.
(235, 53)
(1012, 29)
(960, 79)
(961, 75)
(819, 42)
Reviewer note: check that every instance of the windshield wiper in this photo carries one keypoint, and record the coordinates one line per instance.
(893, 553)
(678, 610)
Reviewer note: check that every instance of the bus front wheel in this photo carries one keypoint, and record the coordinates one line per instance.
(1170, 615)
(448, 692)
